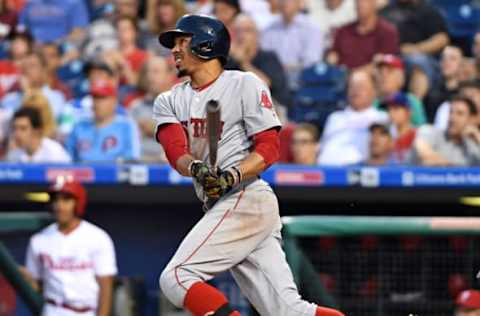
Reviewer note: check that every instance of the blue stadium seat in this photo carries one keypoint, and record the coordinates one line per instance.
(462, 19)
(321, 90)
(72, 75)
(449, 3)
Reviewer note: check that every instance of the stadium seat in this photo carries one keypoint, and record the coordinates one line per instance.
(72, 75)
(462, 20)
(322, 89)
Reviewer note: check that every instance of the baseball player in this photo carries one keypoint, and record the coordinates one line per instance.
(240, 230)
(467, 303)
(72, 261)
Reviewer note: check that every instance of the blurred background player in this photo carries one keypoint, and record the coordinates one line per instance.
(72, 262)
(468, 303)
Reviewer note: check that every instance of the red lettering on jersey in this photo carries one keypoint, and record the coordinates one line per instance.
(265, 100)
(109, 143)
(65, 263)
(200, 127)
(196, 122)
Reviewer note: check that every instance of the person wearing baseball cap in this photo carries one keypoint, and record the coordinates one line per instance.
(108, 136)
(391, 78)
(399, 108)
(468, 303)
(380, 145)
(72, 260)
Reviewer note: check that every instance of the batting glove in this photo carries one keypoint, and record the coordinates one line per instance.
(224, 183)
(201, 172)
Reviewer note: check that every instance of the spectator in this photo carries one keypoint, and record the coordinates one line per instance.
(467, 303)
(81, 108)
(399, 111)
(39, 102)
(345, 137)
(30, 144)
(304, 144)
(295, 39)
(34, 79)
(226, 11)
(130, 58)
(391, 80)
(55, 20)
(10, 69)
(356, 44)
(128, 8)
(330, 15)
(161, 15)
(458, 145)
(423, 35)
(476, 52)
(380, 145)
(8, 19)
(159, 77)
(450, 66)
(53, 58)
(467, 69)
(108, 136)
(247, 55)
(262, 12)
(469, 89)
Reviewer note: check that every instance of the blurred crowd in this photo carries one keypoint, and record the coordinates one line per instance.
(373, 82)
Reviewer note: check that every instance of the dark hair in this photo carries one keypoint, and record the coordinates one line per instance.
(309, 128)
(475, 83)
(32, 114)
(470, 104)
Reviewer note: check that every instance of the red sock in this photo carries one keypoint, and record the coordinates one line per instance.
(202, 298)
(324, 311)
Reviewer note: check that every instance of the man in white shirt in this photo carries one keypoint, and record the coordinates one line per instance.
(295, 39)
(345, 137)
(30, 146)
(72, 261)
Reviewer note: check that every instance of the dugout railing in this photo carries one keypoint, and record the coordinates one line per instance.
(383, 266)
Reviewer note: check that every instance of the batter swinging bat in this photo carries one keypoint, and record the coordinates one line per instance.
(213, 131)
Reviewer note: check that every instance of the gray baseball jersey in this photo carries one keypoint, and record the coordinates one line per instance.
(246, 109)
(241, 232)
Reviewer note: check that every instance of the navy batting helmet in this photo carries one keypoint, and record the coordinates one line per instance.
(210, 38)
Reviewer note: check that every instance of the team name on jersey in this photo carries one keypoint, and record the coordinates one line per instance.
(200, 127)
(65, 263)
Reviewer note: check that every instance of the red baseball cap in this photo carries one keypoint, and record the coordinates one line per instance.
(103, 88)
(391, 60)
(468, 299)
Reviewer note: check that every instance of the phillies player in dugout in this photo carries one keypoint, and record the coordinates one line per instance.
(72, 262)
(240, 230)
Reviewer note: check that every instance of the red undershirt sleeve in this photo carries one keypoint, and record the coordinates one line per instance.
(174, 141)
(267, 145)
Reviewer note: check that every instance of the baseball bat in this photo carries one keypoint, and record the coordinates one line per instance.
(213, 131)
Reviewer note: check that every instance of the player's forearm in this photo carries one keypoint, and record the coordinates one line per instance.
(252, 166)
(183, 165)
(105, 296)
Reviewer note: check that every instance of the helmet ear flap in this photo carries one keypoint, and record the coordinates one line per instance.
(202, 49)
